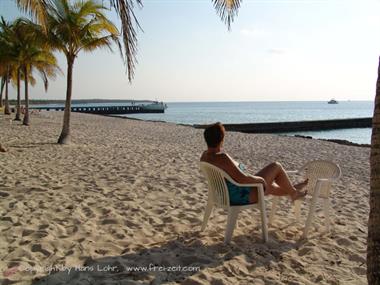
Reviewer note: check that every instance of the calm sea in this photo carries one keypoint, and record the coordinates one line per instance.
(255, 112)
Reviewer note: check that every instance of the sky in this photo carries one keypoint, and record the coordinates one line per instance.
(275, 51)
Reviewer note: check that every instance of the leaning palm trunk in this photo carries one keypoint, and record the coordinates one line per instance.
(64, 138)
(6, 109)
(18, 107)
(373, 247)
(26, 115)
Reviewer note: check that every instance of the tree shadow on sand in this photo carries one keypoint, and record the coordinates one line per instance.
(176, 260)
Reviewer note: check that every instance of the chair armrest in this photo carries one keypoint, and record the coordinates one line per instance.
(249, 184)
(259, 186)
(328, 179)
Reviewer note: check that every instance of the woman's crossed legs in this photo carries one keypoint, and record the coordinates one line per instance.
(278, 183)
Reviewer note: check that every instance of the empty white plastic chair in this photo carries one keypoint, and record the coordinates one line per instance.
(321, 174)
(218, 197)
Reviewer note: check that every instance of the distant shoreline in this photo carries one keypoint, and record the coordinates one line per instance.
(76, 101)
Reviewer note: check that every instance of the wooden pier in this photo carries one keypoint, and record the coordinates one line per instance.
(299, 126)
(157, 107)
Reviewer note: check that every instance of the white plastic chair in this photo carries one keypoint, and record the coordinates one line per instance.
(321, 174)
(218, 197)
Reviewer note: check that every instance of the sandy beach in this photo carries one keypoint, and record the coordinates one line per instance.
(128, 194)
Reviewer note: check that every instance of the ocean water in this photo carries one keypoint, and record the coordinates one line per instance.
(256, 112)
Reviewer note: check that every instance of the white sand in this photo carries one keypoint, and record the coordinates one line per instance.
(129, 193)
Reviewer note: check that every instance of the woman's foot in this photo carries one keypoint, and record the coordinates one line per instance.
(301, 185)
(298, 194)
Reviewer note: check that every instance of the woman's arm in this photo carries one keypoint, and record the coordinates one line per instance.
(237, 175)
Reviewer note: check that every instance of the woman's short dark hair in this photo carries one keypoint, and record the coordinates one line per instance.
(214, 134)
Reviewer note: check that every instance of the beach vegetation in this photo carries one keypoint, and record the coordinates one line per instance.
(6, 61)
(74, 27)
(27, 53)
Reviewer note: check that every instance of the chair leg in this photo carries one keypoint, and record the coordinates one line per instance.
(207, 215)
(231, 222)
(310, 217)
(275, 202)
(313, 204)
(264, 224)
(326, 210)
(297, 210)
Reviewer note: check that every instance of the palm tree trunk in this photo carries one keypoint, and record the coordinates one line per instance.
(26, 115)
(64, 138)
(6, 109)
(18, 108)
(373, 242)
(1, 91)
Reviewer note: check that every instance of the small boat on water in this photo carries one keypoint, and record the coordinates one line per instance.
(332, 101)
(155, 107)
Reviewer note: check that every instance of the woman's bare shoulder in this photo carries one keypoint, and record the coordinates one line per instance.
(214, 159)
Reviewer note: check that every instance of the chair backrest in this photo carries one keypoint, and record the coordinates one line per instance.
(318, 169)
(217, 187)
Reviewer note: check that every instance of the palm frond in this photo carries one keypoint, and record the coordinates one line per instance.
(37, 9)
(227, 10)
(103, 42)
(129, 24)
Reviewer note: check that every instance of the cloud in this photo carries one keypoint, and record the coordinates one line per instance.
(277, 51)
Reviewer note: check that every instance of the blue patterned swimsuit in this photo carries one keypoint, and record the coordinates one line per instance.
(239, 195)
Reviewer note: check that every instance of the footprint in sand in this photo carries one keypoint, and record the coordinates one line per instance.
(109, 222)
(38, 248)
(360, 270)
(24, 242)
(42, 227)
(344, 242)
(7, 219)
(88, 212)
(101, 251)
(358, 258)
(27, 232)
(40, 234)
(304, 251)
(4, 194)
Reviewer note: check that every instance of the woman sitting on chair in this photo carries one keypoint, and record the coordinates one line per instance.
(273, 176)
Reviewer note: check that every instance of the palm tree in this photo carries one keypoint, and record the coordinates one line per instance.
(373, 243)
(15, 40)
(2, 87)
(1, 91)
(6, 104)
(17, 76)
(227, 10)
(27, 52)
(34, 54)
(5, 59)
(76, 27)
(18, 105)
